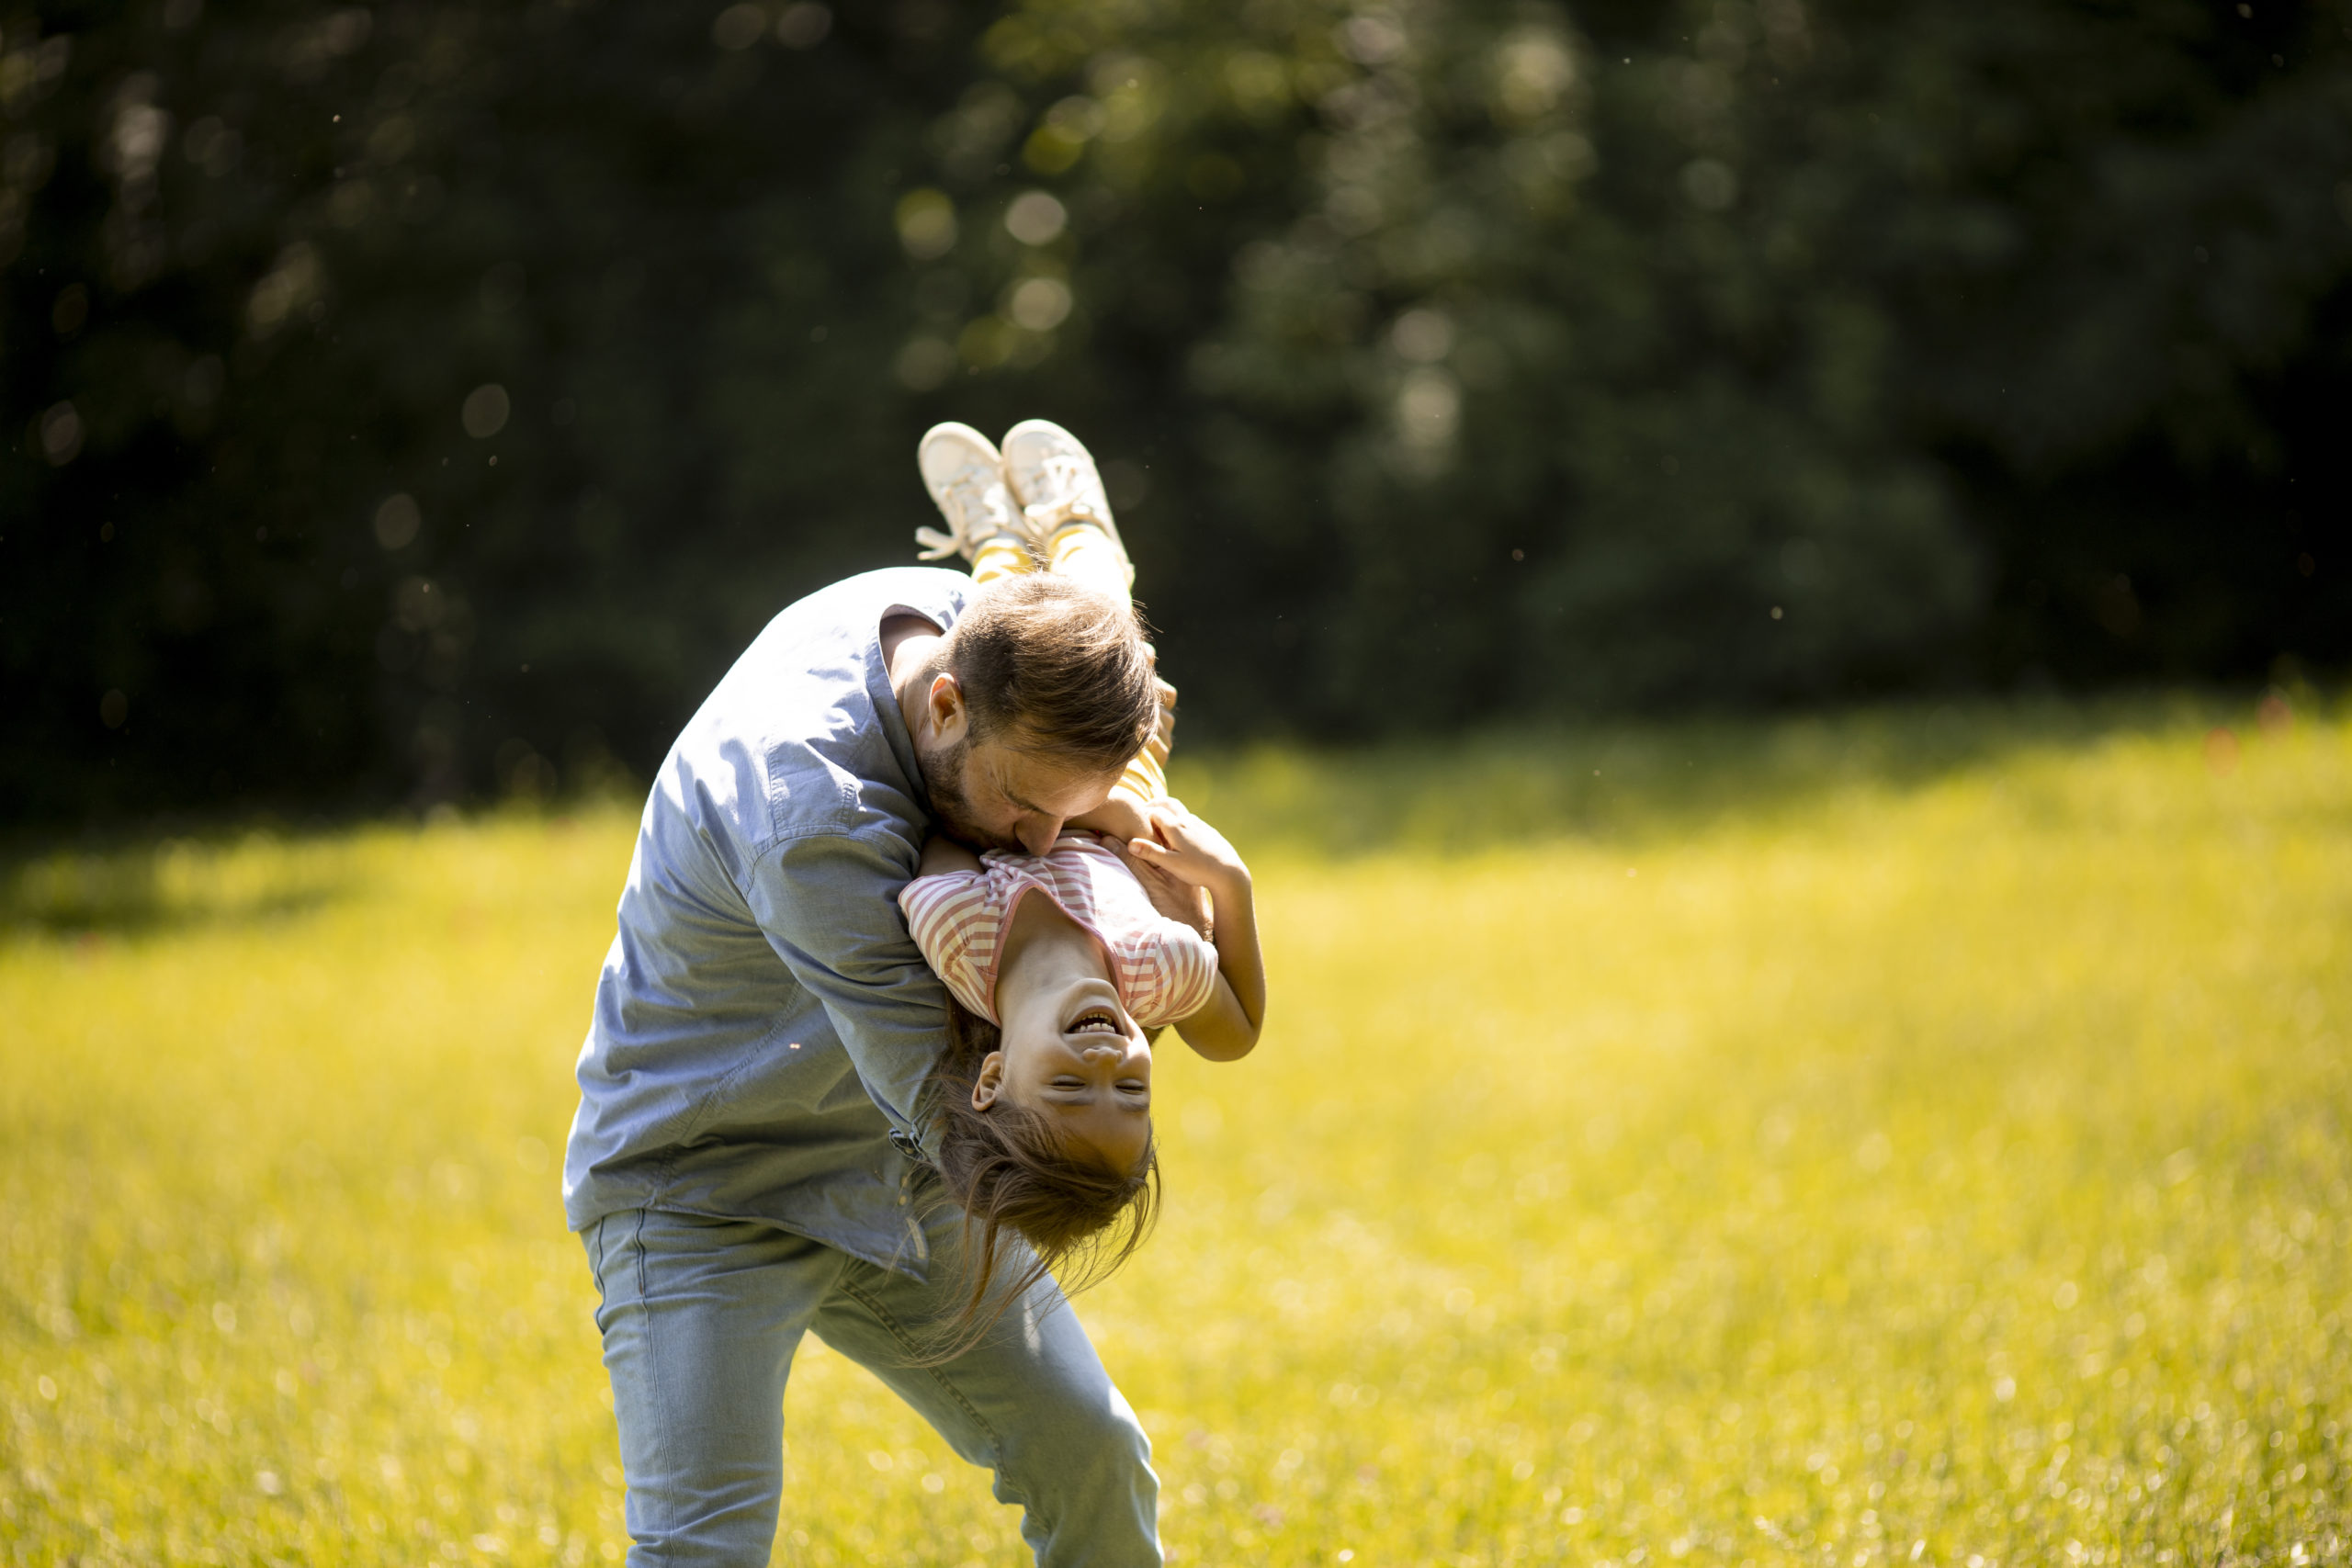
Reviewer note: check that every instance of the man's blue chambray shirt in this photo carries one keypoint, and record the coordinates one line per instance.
(763, 1020)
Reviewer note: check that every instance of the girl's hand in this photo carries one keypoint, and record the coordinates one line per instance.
(1196, 857)
(1178, 901)
(1189, 850)
(1119, 818)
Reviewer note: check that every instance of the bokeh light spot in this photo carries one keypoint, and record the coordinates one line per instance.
(485, 410)
(925, 363)
(1709, 184)
(71, 309)
(1041, 304)
(1423, 337)
(804, 25)
(396, 521)
(737, 27)
(926, 223)
(1035, 217)
(60, 434)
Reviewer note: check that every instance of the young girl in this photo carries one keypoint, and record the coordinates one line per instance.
(1062, 966)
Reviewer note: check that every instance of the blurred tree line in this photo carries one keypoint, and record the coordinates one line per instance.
(429, 399)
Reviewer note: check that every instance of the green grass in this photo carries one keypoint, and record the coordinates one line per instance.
(1912, 1136)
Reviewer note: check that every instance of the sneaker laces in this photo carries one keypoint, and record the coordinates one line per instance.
(1065, 478)
(961, 500)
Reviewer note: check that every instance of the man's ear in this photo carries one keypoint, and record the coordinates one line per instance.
(945, 704)
(991, 1083)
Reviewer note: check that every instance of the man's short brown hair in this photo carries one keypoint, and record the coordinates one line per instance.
(1049, 665)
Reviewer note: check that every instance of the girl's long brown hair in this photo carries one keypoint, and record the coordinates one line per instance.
(1011, 1173)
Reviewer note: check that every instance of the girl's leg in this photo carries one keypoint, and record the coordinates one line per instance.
(1001, 556)
(1145, 779)
(1088, 551)
(1053, 477)
(965, 473)
(1085, 549)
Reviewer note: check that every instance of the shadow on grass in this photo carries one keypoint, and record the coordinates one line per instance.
(1641, 780)
(132, 889)
(1621, 781)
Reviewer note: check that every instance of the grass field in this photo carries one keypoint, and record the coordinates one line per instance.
(1908, 1137)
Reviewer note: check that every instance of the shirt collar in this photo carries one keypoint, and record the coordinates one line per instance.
(940, 608)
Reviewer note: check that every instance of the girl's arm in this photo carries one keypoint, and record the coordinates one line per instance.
(941, 853)
(1191, 852)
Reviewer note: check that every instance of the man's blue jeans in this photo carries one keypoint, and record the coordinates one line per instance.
(700, 1319)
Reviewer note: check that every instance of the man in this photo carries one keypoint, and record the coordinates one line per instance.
(741, 1167)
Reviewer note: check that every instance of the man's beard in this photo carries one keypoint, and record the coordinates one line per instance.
(943, 781)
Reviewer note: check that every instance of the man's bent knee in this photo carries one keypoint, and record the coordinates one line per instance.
(711, 1528)
(1078, 1462)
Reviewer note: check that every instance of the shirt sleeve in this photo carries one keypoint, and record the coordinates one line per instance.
(826, 904)
(951, 917)
(1183, 972)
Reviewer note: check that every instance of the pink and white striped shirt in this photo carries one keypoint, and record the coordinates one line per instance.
(1164, 970)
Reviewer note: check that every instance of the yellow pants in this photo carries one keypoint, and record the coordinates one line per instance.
(1082, 550)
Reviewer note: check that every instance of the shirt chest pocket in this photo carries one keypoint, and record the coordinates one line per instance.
(778, 1081)
(807, 791)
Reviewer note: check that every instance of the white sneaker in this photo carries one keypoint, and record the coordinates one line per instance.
(1053, 478)
(966, 477)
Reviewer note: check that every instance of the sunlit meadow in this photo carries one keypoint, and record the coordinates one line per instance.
(1918, 1136)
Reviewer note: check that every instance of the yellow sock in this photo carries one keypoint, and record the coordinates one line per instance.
(1003, 556)
(1080, 549)
(1084, 551)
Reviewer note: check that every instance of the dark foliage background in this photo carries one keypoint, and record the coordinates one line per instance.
(426, 399)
